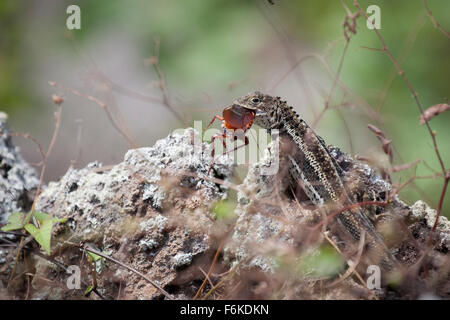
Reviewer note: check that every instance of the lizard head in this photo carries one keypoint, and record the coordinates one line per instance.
(263, 105)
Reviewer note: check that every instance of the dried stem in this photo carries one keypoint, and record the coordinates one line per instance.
(419, 105)
(352, 264)
(349, 27)
(436, 24)
(29, 137)
(408, 83)
(41, 180)
(163, 83)
(216, 256)
(102, 105)
(290, 55)
(164, 292)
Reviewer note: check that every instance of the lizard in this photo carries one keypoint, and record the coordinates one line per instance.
(311, 167)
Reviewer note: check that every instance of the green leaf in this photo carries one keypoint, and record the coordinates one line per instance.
(88, 290)
(15, 222)
(41, 217)
(43, 234)
(28, 217)
(32, 230)
(95, 257)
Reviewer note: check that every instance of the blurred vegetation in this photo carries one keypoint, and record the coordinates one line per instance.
(206, 45)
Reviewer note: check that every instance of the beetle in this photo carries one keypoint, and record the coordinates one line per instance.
(234, 117)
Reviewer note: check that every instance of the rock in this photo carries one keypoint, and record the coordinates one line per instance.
(259, 232)
(420, 211)
(151, 211)
(18, 180)
(274, 234)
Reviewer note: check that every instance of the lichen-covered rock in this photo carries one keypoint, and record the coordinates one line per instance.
(152, 211)
(18, 180)
(263, 229)
(420, 211)
(273, 230)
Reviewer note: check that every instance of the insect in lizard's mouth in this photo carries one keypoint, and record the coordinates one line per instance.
(237, 116)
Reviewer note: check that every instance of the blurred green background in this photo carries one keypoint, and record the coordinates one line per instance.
(212, 51)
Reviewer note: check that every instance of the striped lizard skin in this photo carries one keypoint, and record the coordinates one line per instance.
(311, 167)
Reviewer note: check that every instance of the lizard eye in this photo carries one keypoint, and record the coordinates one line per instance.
(256, 100)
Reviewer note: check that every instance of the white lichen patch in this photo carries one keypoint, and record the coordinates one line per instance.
(17, 177)
(89, 190)
(158, 223)
(148, 244)
(181, 260)
(420, 210)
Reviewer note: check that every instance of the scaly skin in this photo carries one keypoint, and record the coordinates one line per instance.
(313, 169)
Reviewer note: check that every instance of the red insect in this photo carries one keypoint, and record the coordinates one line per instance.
(233, 118)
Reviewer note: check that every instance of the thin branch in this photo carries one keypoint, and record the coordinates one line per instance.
(29, 137)
(419, 105)
(352, 264)
(231, 273)
(333, 87)
(321, 59)
(292, 68)
(100, 76)
(58, 101)
(216, 256)
(290, 54)
(154, 61)
(410, 87)
(436, 24)
(441, 200)
(78, 146)
(208, 277)
(51, 260)
(164, 292)
(102, 105)
(408, 45)
(349, 27)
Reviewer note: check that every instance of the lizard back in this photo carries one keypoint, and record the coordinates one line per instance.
(312, 169)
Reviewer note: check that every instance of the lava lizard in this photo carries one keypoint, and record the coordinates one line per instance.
(312, 168)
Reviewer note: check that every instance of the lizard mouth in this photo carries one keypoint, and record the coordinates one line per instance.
(239, 105)
(258, 112)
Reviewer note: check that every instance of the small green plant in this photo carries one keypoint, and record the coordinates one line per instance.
(224, 210)
(41, 232)
(322, 262)
(97, 263)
